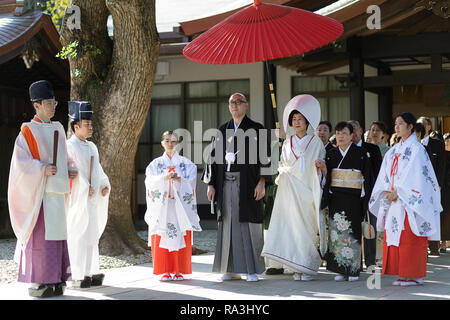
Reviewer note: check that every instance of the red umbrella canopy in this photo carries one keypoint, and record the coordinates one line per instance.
(263, 32)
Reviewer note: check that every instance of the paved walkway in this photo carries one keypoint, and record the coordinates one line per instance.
(138, 283)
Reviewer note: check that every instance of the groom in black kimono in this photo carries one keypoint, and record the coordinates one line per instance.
(237, 181)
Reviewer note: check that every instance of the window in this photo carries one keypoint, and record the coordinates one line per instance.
(178, 105)
(334, 101)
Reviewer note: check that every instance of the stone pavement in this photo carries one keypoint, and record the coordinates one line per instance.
(138, 283)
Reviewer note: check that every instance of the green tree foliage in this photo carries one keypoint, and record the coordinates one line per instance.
(56, 9)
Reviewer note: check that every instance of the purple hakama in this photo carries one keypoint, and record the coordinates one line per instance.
(46, 261)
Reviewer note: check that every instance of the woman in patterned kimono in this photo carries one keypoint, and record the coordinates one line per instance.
(293, 237)
(171, 210)
(407, 202)
(347, 190)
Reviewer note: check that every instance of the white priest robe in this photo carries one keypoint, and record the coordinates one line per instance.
(171, 205)
(29, 188)
(407, 168)
(87, 215)
(293, 235)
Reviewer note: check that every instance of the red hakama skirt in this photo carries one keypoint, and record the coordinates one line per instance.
(172, 262)
(409, 259)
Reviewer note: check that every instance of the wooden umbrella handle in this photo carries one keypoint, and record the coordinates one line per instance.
(90, 170)
(55, 146)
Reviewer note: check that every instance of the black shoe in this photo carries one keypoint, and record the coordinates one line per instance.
(272, 271)
(59, 288)
(86, 283)
(43, 291)
(97, 279)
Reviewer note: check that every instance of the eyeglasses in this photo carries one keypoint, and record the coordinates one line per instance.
(50, 103)
(237, 102)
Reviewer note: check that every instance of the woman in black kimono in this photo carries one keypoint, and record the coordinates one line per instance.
(347, 190)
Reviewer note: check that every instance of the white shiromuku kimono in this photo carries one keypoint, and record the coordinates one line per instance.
(29, 188)
(407, 168)
(293, 235)
(87, 215)
(171, 205)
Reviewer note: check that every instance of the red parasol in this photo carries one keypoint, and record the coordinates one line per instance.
(262, 32)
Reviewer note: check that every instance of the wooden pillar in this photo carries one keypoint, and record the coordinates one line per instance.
(269, 121)
(385, 101)
(356, 86)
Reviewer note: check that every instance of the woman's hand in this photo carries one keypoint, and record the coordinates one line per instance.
(391, 196)
(321, 165)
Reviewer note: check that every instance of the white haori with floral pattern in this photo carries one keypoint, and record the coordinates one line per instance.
(417, 189)
(171, 205)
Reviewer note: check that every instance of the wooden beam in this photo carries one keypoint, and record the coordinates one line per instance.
(377, 47)
(412, 79)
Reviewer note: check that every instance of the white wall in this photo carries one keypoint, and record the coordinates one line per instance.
(184, 70)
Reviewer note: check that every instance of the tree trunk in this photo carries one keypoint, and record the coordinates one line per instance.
(119, 83)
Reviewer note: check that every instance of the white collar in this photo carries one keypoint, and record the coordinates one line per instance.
(426, 140)
(75, 137)
(346, 150)
(174, 159)
(300, 140)
(359, 144)
(236, 126)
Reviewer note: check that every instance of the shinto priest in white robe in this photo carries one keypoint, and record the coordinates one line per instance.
(407, 169)
(293, 237)
(171, 205)
(29, 188)
(87, 215)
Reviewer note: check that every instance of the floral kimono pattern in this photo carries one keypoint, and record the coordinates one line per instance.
(346, 250)
(407, 169)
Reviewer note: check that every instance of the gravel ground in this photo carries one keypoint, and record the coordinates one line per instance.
(204, 241)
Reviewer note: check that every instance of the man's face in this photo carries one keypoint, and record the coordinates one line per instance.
(84, 128)
(237, 105)
(425, 125)
(357, 133)
(323, 133)
(343, 137)
(46, 109)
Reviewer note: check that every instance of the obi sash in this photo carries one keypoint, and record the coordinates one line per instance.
(346, 178)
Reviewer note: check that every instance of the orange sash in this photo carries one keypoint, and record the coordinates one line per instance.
(32, 144)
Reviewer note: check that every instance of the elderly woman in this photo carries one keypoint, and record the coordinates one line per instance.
(407, 202)
(171, 210)
(293, 235)
(346, 192)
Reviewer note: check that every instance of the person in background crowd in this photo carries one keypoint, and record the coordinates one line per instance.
(324, 132)
(374, 155)
(436, 152)
(445, 215)
(378, 133)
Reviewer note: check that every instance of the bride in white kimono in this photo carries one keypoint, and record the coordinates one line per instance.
(171, 210)
(293, 237)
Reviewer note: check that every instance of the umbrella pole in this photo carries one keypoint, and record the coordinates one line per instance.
(274, 102)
